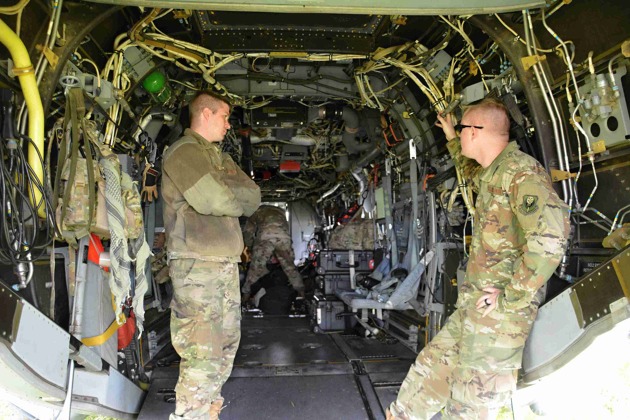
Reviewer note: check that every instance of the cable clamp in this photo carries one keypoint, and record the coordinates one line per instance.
(412, 149)
(21, 71)
(529, 61)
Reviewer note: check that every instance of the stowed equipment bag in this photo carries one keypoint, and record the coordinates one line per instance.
(79, 184)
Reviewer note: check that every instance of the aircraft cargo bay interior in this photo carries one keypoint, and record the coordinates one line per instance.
(350, 129)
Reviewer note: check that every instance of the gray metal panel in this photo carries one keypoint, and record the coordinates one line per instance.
(42, 345)
(98, 313)
(370, 398)
(287, 386)
(318, 368)
(375, 349)
(10, 308)
(288, 343)
(309, 398)
(555, 328)
(160, 401)
(287, 398)
(338, 85)
(303, 222)
(24, 382)
(110, 389)
(569, 323)
(401, 7)
(387, 394)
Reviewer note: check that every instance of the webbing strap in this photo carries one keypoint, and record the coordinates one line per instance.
(75, 113)
(97, 340)
(412, 249)
(100, 339)
(120, 269)
(389, 220)
(139, 252)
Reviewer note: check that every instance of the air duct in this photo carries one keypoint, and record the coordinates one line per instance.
(351, 120)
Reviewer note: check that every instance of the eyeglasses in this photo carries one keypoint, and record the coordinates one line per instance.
(460, 127)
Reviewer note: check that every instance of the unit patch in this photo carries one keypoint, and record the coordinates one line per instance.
(530, 204)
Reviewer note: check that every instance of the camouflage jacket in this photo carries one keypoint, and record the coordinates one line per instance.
(520, 228)
(267, 223)
(204, 193)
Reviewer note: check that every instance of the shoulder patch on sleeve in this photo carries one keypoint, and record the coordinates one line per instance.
(529, 204)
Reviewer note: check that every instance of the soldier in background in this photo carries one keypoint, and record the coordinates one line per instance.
(204, 194)
(521, 230)
(267, 234)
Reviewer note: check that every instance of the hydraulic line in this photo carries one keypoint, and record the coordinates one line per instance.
(24, 71)
(611, 74)
(558, 6)
(16, 8)
(42, 63)
(623, 217)
(576, 124)
(565, 154)
(614, 223)
(329, 193)
(591, 158)
(549, 102)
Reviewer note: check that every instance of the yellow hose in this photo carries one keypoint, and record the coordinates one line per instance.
(26, 74)
(15, 9)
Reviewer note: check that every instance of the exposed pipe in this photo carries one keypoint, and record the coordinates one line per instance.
(329, 192)
(247, 162)
(611, 74)
(576, 124)
(351, 120)
(372, 330)
(88, 16)
(14, 9)
(367, 199)
(558, 6)
(42, 62)
(565, 154)
(514, 51)
(147, 119)
(542, 82)
(614, 223)
(590, 153)
(299, 140)
(26, 74)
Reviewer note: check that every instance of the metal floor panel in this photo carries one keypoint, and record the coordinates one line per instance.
(285, 371)
(371, 348)
(313, 397)
(284, 341)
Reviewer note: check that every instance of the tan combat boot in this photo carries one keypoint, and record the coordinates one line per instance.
(215, 408)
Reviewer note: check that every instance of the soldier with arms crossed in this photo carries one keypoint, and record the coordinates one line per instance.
(204, 193)
(520, 233)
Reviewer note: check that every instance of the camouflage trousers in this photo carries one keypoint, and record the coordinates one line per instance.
(469, 368)
(205, 331)
(258, 267)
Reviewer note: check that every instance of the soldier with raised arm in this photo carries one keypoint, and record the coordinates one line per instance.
(520, 233)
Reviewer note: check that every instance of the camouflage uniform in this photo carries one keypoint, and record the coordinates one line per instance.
(267, 232)
(520, 232)
(204, 194)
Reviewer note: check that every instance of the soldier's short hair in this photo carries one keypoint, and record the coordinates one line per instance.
(206, 99)
(497, 109)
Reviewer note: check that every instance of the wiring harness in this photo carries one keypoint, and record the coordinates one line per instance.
(24, 236)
